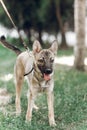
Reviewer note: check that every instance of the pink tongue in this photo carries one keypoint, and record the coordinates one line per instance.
(46, 77)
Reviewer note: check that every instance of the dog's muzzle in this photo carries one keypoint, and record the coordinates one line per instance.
(47, 74)
(48, 71)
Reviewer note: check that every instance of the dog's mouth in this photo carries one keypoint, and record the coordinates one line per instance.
(47, 77)
(47, 74)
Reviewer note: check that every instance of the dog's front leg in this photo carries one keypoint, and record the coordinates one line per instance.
(50, 100)
(30, 106)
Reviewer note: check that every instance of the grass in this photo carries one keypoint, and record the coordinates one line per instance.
(70, 99)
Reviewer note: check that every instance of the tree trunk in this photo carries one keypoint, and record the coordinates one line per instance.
(59, 19)
(40, 36)
(29, 36)
(79, 17)
(28, 33)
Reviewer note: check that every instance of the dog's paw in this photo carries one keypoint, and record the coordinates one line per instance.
(35, 107)
(52, 123)
(28, 118)
(18, 112)
(28, 122)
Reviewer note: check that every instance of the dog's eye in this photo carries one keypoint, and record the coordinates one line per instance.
(52, 59)
(41, 60)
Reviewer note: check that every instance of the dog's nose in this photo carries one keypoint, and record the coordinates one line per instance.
(48, 71)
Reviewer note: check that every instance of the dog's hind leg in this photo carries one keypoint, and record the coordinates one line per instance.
(18, 84)
(18, 93)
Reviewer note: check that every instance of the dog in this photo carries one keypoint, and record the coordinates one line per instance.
(38, 66)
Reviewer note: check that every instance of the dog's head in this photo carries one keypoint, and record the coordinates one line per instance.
(44, 58)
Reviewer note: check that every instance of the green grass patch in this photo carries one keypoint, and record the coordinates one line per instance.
(70, 102)
(66, 52)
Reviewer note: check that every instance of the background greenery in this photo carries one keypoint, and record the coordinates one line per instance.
(35, 17)
(70, 98)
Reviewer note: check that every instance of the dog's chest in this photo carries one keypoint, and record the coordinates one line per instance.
(44, 85)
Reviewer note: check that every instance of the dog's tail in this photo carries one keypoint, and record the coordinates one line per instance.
(9, 46)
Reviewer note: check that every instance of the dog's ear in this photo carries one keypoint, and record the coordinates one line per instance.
(54, 47)
(36, 47)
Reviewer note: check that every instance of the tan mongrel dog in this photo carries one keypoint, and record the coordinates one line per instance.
(38, 65)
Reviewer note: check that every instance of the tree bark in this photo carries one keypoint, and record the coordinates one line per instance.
(79, 17)
(60, 22)
(40, 36)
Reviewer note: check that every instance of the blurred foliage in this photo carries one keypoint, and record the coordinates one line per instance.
(38, 15)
